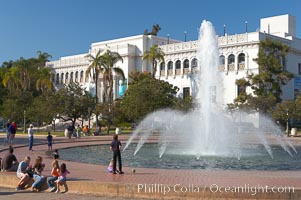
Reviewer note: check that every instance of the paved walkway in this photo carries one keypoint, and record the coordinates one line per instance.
(157, 183)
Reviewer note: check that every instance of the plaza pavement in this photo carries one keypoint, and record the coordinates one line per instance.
(150, 183)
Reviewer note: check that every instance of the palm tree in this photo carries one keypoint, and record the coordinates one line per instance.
(109, 61)
(11, 79)
(44, 82)
(154, 53)
(95, 68)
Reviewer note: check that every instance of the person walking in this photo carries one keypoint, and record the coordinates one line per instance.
(30, 137)
(116, 149)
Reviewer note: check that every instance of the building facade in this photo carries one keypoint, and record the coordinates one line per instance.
(237, 54)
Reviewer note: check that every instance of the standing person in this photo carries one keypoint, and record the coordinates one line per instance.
(55, 169)
(49, 141)
(7, 132)
(62, 178)
(30, 137)
(22, 173)
(10, 162)
(116, 148)
(70, 129)
(37, 174)
(12, 129)
(78, 131)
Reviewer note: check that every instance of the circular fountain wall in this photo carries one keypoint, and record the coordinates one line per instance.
(256, 158)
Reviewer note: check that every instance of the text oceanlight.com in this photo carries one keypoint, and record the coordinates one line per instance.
(214, 188)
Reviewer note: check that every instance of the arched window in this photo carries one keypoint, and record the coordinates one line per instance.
(170, 68)
(71, 77)
(231, 62)
(57, 81)
(76, 76)
(178, 67)
(81, 76)
(231, 59)
(170, 65)
(162, 69)
(222, 60)
(66, 78)
(62, 78)
(194, 63)
(186, 64)
(178, 64)
(241, 61)
(222, 63)
(241, 58)
(162, 66)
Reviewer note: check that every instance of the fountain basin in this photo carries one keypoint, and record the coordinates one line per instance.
(254, 157)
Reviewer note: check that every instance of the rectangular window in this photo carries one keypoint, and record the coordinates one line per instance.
(186, 92)
(299, 68)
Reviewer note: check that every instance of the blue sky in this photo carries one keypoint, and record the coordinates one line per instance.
(68, 27)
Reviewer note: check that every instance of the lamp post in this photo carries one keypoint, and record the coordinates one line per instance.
(224, 29)
(246, 23)
(185, 34)
(89, 112)
(24, 118)
(168, 38)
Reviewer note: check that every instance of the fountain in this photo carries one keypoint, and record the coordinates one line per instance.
(206, 138)
(208, 130)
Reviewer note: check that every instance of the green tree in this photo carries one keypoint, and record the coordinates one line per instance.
(73, 102)
(266, 85)
(109, 67)
(154, 53)
(95, 69)
(145, 95)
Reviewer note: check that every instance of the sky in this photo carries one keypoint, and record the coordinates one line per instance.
(68, 27)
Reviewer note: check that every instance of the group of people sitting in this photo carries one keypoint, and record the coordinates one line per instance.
(27, 172)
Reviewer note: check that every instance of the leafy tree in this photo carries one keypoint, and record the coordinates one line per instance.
(73, 102)
(154, 53)
(43, 109)
(266, 85)
(145, 95)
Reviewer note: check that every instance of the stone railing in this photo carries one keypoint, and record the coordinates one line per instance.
(178, 71)
(222, 67)
(231, 67)
(169, 72)
(186, 71)
(162, 73)
(241, 66)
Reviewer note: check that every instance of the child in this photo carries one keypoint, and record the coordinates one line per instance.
(54, 172)
(62, 178)
(49, 141)
(110, 167)
(56, 154)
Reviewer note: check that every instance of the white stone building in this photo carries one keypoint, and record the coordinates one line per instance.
(237, 54)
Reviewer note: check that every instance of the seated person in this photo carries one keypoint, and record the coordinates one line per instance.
(10, 162)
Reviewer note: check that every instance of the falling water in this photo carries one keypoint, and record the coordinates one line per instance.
(207, 130)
